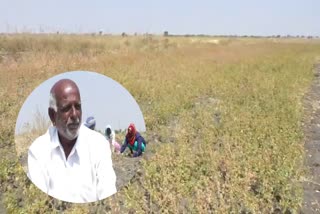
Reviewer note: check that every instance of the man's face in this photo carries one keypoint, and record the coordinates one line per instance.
(108, 131)
(68, 115)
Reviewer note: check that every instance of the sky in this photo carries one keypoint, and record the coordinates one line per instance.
(246, 17)
(102, 97)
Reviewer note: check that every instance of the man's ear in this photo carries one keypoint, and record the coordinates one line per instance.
(52, 115)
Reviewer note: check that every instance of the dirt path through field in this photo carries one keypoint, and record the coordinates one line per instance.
(311, 200)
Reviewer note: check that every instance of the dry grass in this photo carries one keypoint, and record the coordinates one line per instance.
(233, 108)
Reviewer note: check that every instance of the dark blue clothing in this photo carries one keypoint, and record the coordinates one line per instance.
(139, 139)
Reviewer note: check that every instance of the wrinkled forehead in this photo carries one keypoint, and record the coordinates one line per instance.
(66, 93)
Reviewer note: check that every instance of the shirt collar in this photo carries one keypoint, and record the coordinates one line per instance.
(56, 142)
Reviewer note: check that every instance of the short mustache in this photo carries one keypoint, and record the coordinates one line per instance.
(73, 122)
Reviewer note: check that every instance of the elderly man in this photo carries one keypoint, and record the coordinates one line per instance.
(71, 162)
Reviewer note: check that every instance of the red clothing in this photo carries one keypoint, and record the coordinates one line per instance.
(131, 134)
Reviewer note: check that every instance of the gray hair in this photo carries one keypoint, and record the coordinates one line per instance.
(53, 102)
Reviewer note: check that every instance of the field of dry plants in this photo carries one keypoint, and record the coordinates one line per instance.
(223, 119)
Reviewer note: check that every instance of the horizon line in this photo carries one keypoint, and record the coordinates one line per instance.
(164, 34)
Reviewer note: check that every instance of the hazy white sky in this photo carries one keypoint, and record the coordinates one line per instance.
(246, 17)
(101, 97)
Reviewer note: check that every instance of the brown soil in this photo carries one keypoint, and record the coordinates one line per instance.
(311, 185)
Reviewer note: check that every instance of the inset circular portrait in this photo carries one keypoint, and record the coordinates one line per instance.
(70, 131)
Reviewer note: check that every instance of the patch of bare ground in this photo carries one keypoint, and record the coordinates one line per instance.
(311, 185)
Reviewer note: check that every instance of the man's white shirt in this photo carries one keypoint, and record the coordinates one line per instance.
(86, 176)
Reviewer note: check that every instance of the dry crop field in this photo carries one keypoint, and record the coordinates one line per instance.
(223, 119)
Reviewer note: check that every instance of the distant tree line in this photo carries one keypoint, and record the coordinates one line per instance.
(167, 34)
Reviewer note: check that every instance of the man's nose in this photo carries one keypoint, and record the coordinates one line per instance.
(74, 112)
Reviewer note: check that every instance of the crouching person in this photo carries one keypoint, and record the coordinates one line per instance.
(111, 137)
(134, 141)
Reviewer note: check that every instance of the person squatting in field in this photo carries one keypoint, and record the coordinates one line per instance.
(111, 137)
(134, 141)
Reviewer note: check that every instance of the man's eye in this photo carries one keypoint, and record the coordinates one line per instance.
(65, 108)
(78, 107)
